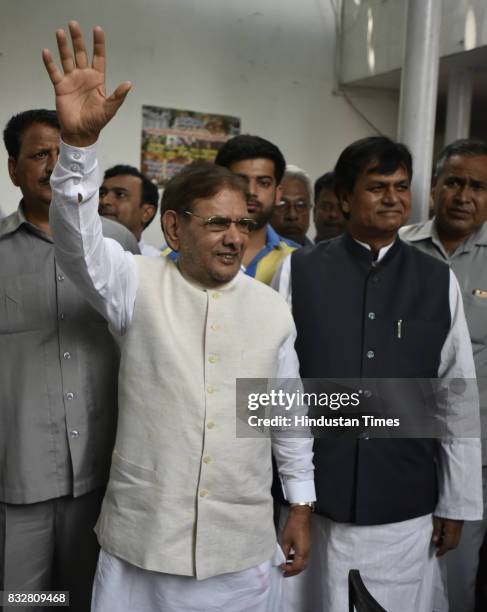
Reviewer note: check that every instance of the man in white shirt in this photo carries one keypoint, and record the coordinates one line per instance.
(186, 523)
(128, 197)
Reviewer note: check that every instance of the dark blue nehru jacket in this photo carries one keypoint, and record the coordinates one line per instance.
(347, 308)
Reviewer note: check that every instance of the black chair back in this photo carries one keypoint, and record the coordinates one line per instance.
(359, 599)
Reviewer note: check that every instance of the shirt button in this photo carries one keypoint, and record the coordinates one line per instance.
(60, 278)
(69, 396)
(210, 389)
(372, 315)
(370, 354)
(210, 424)
(215, 295)
(367, 393)
(207, 459)
(74, 167)
(61, 316)
(66, 355)
(74, 433)
(77, 155)
(215, 327)
(213, 358)
(203, 493)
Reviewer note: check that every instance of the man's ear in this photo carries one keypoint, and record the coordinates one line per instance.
(148, 212)
(344, 203)
(434, 184)
(12, 170)
(171, 227)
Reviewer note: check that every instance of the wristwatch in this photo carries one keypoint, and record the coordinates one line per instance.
(308, 504)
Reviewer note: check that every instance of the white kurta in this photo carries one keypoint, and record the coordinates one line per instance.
(109, 278)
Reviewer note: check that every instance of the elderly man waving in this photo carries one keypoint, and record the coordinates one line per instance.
(186, 523)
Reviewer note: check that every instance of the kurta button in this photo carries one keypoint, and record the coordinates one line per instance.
(215, 295)
(210, 424)
(215, 327)
(69, 396)
(61, 316)
(74, 167)
(210, 389)
(76, 181)
(372, 315)
(370, 354)
(207, 459)
(367, 393)
(74, 433)
(66, 355)
(77, 155)
(213, 358)
(203, 493)
(60, 278)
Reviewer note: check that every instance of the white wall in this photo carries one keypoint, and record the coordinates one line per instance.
(374, 30)
(270, 62)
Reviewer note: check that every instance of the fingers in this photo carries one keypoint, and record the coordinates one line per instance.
(78, 45)
(446, 534)
(118, 96)
(121, 92)
(299, 563)
(51, 67)
(98, 50)
(437, 529)
(80, 59)
(65, 54)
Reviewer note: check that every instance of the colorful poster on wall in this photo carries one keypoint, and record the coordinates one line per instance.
(173, 138)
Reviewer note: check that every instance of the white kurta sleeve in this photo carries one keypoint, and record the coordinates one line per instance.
(294, 456)
(460, 460)
(104, 273)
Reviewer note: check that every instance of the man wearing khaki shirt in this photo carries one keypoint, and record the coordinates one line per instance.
(458, 235)
(58, 387)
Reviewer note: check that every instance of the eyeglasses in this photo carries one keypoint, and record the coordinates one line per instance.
(299, 206)
(219, 223)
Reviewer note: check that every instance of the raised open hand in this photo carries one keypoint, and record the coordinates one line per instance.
(82, 105)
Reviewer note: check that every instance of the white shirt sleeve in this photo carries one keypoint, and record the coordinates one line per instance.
(282, 281)
(294, 456)
(103, 272)
(460, 459)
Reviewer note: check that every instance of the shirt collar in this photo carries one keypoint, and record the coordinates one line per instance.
(10, 224)
(382, 251)
(272, 238)
(424, 231)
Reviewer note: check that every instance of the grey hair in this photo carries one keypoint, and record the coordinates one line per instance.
(297, 173)
(462, 147)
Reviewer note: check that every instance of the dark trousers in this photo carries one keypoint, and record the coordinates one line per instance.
(51, 545)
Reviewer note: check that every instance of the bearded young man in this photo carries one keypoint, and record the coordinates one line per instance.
(262, 165)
